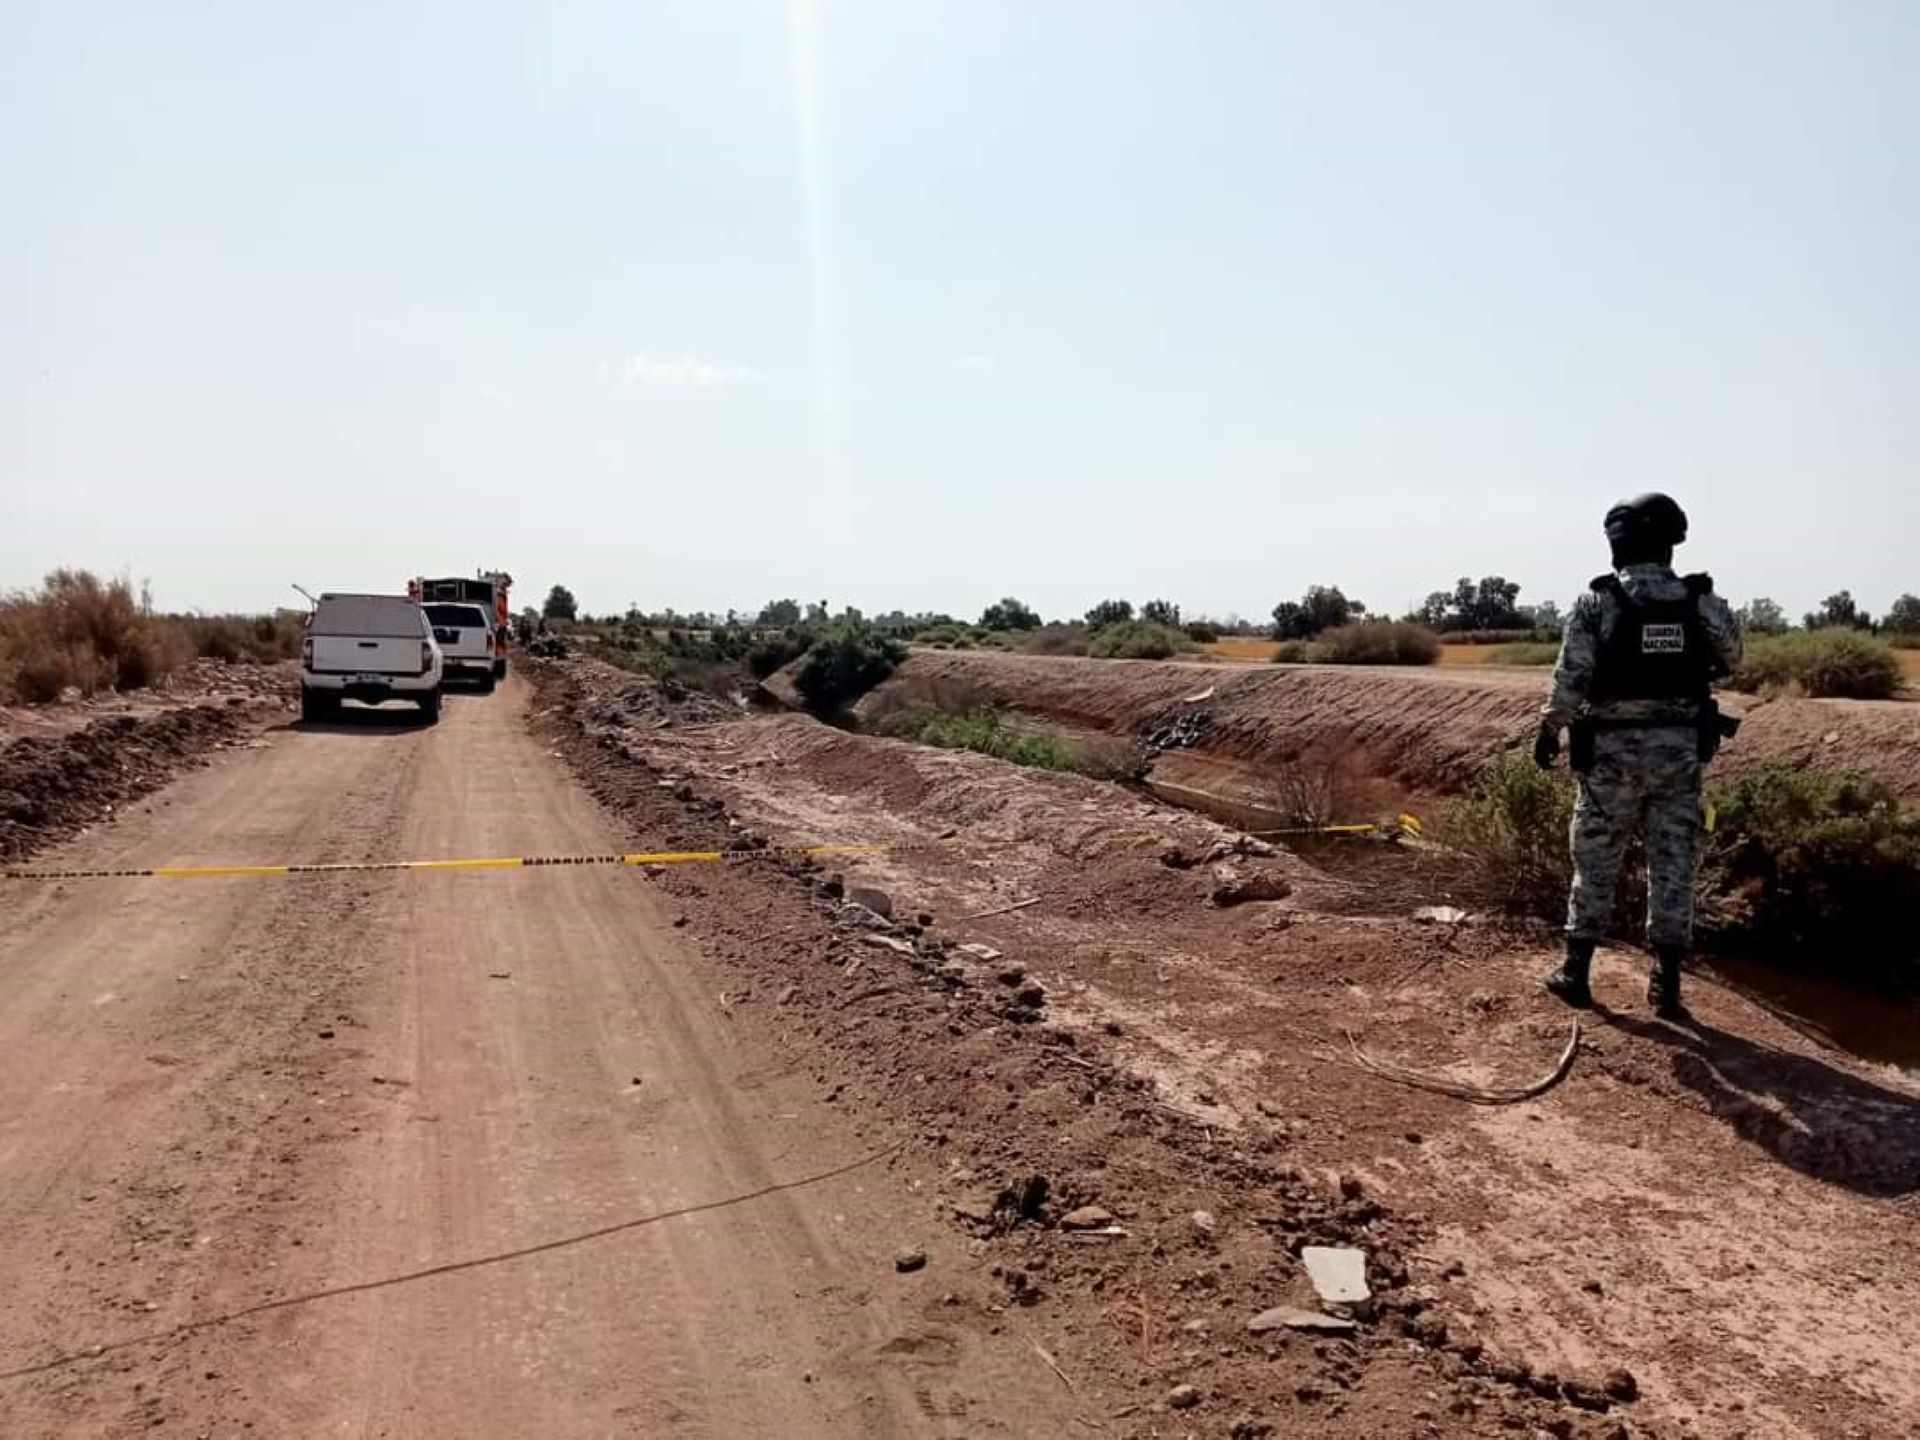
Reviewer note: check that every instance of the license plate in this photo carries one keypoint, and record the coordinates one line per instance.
(370, 679)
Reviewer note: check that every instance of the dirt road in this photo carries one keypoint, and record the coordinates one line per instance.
(288, 1096)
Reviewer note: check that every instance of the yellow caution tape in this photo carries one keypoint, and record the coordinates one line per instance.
(1407, 824)
(1400, 827)
(482, 862)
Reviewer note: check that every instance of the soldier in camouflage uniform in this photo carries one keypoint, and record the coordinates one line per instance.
(1634, 684)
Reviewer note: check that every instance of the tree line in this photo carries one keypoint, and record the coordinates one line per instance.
(1489, 604)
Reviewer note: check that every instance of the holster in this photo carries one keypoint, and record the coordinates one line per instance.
(1580, 746)
(1715, 727)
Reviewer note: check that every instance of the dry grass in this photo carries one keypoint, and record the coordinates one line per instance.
(1910, 665)
(83, 633)
(1452, 654)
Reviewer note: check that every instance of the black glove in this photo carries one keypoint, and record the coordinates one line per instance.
(1546, 746)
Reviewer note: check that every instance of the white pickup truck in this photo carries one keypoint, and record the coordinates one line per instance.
(465, 635)
(369, 648)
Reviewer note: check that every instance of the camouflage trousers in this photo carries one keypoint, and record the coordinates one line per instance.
(1642, 782)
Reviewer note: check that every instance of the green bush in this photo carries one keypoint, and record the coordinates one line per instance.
(1834, 662)
(1009, 614)
(1525, 652)
(938, 635)
(1816, 869)
(985, 732)
(1137, 640)
(776, 651)
(1293, 652)
(1377, 642)
(1820, 869)
(1514, 823)
(846, 659)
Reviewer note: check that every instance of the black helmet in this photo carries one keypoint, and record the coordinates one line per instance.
(1652, 521)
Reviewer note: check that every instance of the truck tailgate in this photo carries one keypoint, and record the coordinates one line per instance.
(367, 655)
(463, 644)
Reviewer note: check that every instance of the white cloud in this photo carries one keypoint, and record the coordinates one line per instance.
(977, 362)
(685, 372)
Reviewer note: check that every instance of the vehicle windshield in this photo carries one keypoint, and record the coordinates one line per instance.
(369, 615)
(462, 616)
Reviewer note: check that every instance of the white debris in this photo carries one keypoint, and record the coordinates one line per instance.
(1285, 1317)
(1339, 1273)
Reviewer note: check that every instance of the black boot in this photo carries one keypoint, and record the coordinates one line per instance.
(1663, 983)
(1569, 982)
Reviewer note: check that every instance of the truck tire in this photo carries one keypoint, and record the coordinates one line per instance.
(487, 683)
(499, 670)
(430, 707)
(317, 705)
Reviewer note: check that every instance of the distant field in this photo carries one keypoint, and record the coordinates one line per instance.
(1244, 648)
(1258, 649)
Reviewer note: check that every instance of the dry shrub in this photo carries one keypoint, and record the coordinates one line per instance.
(1323, 787)
(1514, 822)
(1377, 642)
(243, 639)
(78, 631)
(1065, 639)
(1834, 662)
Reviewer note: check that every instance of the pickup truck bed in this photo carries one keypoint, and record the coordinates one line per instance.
(369, 648)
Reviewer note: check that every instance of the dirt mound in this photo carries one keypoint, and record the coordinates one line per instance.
(1876, 737)
(52, 786)
(1426, 731)
(202, 682)
(643, 703)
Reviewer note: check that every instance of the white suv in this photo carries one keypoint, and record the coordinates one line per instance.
(369, 648)
(465, 633)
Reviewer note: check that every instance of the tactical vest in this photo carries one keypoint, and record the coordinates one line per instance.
(1657, 650)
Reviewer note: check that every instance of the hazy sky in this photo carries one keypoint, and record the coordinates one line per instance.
(921, 302)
